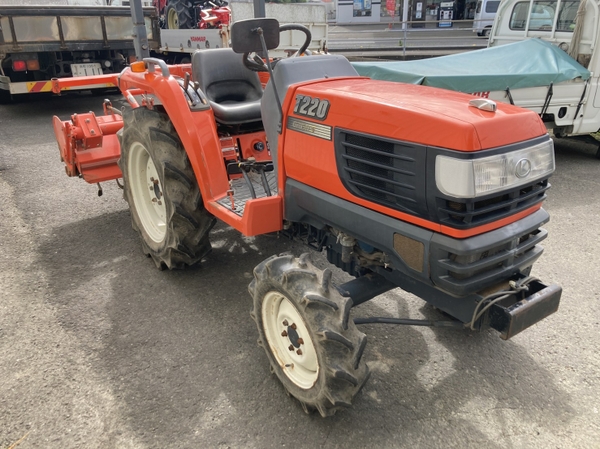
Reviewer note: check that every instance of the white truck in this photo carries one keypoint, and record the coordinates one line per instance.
(543, 55)
(573, 108)
(42, 42)
(38, 43)
(181, 43)
(485, 12)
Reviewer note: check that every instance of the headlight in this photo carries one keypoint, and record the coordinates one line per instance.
(471, 178)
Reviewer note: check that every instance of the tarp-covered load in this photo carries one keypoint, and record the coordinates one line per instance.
(528, 63)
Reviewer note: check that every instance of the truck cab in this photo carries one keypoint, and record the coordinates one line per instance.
(550, 20)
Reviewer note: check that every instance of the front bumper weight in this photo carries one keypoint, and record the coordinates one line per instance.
(511, 316)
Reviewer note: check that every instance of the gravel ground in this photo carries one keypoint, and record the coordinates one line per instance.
(100, 350)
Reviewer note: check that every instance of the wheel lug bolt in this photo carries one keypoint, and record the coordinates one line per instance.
(154, 200)
(159, 203)
(285, 322)
(299, 352)
(284, 334)
(151, 179)
(291, 348)
(300, 341)
(293, 326)
(155, 181)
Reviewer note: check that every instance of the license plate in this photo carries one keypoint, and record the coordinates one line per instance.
(90, 68)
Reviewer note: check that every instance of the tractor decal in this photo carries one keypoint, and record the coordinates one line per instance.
(311, 107)
(310, 128)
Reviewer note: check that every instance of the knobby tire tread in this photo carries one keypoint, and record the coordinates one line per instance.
(338, 342)
(184, 13)
(188, 222)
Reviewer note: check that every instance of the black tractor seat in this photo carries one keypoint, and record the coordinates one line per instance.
(234, 91)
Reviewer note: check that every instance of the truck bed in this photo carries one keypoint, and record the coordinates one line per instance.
(533, 74)
(529, 63)
(69, 28)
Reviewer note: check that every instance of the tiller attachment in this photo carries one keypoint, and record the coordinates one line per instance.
(89, 146)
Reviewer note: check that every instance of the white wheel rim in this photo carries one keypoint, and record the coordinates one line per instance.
(172, 19)
(279, 316)
(147, 192)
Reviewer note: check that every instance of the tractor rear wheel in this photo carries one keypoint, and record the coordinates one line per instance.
(179, 15)
(161, 189)
(304, 326)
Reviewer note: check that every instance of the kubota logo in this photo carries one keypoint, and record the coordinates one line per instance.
(523, 168)
(198, 38)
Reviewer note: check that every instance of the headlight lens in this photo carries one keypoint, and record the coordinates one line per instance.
(464, 178)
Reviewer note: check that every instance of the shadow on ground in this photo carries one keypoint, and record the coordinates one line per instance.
(178, 352)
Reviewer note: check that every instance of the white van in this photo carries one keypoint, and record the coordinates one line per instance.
(484, 16)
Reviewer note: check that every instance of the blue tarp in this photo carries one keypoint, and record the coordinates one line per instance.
(528, 63)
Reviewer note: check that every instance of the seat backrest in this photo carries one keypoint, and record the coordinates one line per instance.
(223, 77)
(291, 71)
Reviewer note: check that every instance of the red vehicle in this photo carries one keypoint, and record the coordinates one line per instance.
(186, 14)
(401, 185)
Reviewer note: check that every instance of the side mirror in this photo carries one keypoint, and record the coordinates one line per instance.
(245, 37)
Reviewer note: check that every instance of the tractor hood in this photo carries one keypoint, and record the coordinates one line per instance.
(418, 114)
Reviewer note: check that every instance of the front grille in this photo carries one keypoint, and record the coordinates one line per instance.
(383, 171)
(401, 175)
(462, 274)
(468, 213)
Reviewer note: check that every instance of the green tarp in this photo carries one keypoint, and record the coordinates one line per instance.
(522, 64)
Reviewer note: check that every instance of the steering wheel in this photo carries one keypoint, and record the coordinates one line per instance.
(255, 63)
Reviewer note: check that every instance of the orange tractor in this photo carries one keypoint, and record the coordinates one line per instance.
(436, 192)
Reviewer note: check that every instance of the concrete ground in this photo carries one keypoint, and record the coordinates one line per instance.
(98, 349)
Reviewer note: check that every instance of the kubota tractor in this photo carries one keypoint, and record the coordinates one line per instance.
(436, 192)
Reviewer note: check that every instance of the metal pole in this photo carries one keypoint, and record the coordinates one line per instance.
(404, 14)
(259, 8)
(140, 37)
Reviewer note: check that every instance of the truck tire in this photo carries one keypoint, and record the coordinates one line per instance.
(179, 15)
(161, 189)
(304, 326)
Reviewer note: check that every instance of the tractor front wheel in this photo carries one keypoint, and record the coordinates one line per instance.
(179, 15)
(304, 325)
(161, 189)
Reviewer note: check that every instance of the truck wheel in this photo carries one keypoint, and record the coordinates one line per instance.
(179, 15)
(313, 346)
(161, 189)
